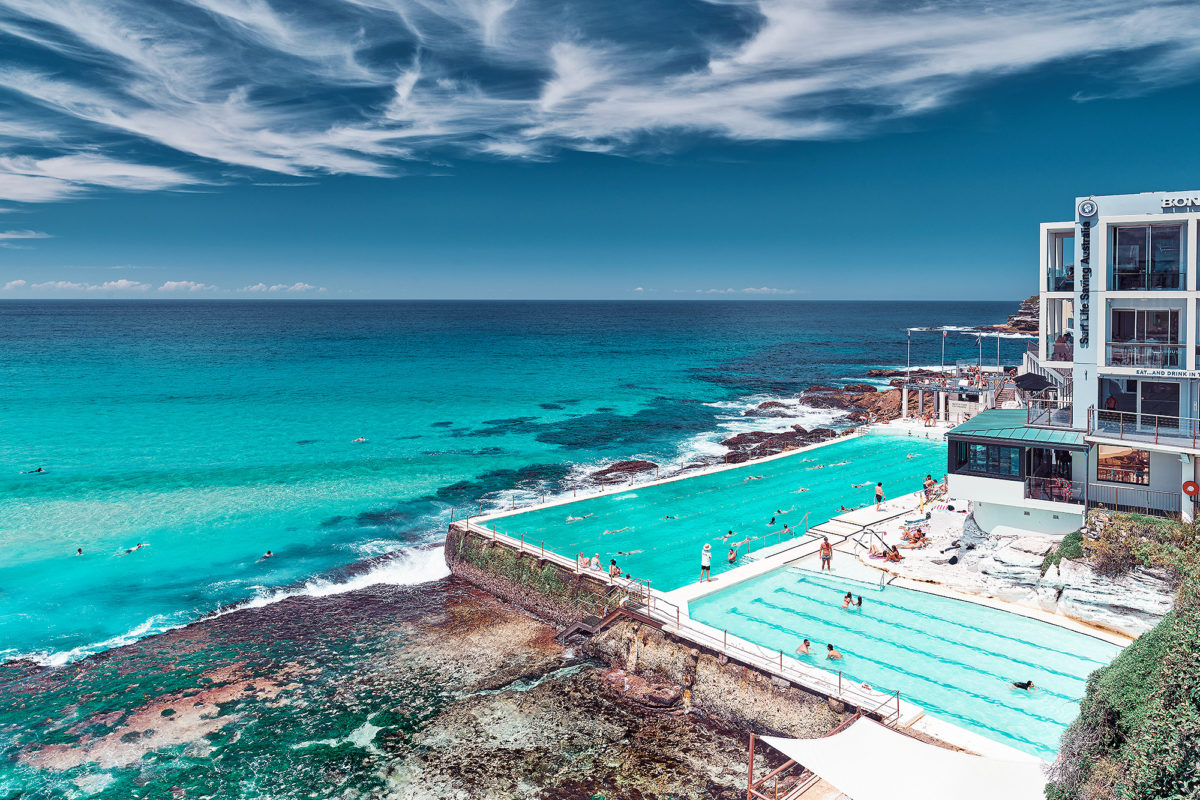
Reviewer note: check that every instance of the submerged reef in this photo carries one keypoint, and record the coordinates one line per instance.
(433, 691)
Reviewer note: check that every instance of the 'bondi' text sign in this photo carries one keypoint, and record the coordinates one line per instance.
(1181, 202)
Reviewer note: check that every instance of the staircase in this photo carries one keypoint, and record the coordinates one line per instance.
(1006, 393)
(591, 624)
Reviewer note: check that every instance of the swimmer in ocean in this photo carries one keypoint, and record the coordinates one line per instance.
(577, 519)
(619, 530)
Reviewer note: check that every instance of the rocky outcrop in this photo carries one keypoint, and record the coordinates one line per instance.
(623, 471)
(1025, 321)
(771, 408)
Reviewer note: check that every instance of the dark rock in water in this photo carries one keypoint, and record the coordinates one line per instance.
(819, 388)
(622, 470)
(771, 408)
(746, 440)
(551, 406)
(799, 429)
(822, 433)
(858, 415)
(737, 458)
(828, 400)
(859, 387)
(788, 440)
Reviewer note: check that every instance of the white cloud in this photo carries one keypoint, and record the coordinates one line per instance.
(23, 235)
(639, 289)
(298, 287)
(748, 290)
(17, 284)
(121, 85)
(60, 285)
(122, 285)
(185, 286)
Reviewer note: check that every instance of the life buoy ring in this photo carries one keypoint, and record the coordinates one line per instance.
(1191, 488)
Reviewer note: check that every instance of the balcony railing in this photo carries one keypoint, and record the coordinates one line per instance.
(1058, 490)
(1061, 281)
(1149, 428)
(1048, 413)
(1136, 279)
(1146, 354)
(1136, 499)
(1059, 348)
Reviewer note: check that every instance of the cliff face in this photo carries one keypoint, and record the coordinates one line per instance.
(1024, 321)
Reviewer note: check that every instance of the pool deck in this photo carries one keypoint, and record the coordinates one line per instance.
(671, 608)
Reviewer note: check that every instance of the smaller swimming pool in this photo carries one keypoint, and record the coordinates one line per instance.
(955, 659)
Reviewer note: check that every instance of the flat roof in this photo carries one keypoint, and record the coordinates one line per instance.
(1009, 426)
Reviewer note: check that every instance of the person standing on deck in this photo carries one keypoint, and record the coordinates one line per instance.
(705, 562)
(826, 554)
(879, 496)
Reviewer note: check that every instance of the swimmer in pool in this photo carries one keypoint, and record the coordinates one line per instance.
(668, 516)
(839, 464)
(756, 477)
(818, 466)
(619, 530)
(625, 552)
(137, 546)
(577, 519)
(803, 648)
(847, 600)
(1023, 685)
(772, 522)
(34, 471)
(727, 536)
(860, 485)
(801, 491)
(268, 554)
(831, 653)
(79, 551)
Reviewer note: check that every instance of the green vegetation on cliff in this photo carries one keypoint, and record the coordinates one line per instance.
(1138, 731)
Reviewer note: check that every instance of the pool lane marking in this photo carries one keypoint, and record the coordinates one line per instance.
(923, 654)
(889, 667)
(902, 609)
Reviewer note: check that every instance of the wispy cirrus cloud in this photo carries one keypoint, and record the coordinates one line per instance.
(13, 238)
(186, 286)
(128, 95)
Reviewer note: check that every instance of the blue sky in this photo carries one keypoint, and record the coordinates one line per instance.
(572, 148)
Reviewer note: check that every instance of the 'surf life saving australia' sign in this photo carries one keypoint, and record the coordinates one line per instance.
(1085, 278)
(1181, 202)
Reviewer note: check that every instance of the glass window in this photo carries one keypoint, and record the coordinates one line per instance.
(990, 459)
(1061, 269)
(1147, 257)
(1160, 325)
(1160, 399)
(1123, 465)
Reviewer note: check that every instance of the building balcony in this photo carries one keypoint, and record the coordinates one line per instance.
(1134, 499)
(1056, 490)
(1048, 413)
(1146, 354)
(1141, 279)
(1060, 280)
(1129, 426)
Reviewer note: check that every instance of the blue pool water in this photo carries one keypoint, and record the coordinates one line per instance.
(955, 659)
(664, 526)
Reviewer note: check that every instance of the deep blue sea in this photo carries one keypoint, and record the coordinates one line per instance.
(212, 432)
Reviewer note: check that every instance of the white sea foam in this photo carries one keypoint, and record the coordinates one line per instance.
(407, 567)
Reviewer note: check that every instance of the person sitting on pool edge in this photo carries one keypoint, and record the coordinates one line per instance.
(613, 570)
(831, 653)
(803, 648)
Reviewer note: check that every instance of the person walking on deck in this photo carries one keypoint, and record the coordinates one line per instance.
(879, 496)
(705, 562)
(826, 554)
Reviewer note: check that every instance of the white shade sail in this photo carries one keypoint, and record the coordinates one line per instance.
(869, 761)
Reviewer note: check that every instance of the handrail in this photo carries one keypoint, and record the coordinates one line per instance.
(1142, 427)
(793, 532)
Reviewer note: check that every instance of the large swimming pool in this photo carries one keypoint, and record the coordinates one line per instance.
(663, 527)
(955, 659)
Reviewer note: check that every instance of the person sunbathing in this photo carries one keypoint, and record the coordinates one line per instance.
(893, 555)
(875, 552)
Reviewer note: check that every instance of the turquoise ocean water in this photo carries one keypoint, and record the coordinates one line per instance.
(213, 432)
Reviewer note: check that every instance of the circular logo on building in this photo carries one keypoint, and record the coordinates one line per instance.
(1087, 208)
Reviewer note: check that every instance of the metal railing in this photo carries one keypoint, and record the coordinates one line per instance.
(1149, 428)
(1145, 354)
(1134, 498)
(1058, 490)
(1031, 363)
(1125, 279)
(1048, 413)
(675, 621)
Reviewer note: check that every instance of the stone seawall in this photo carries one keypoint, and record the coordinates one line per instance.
(542, 588)
(655, 669)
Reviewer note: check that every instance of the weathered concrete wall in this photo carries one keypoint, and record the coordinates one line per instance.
(544, 589)
(668, 674)
(735, 695)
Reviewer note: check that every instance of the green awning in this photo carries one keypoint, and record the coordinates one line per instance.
(1007, 426)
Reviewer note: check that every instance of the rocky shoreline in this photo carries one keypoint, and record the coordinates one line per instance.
(425, 692)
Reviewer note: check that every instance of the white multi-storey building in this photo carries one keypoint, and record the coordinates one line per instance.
(1119, 346)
